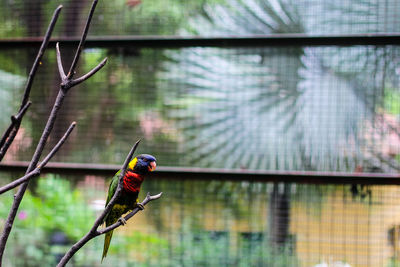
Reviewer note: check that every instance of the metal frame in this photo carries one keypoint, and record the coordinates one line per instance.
(178, 173)
(218, 41)
(295, 40)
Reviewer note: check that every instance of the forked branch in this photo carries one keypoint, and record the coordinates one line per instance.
(147, 199)
(90, 235)
(66, 81)
(65, 85)
(93, 232)
(71, 71)
(39, 148)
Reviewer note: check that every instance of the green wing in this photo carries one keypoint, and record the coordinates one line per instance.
(111, 192)
(113, 187)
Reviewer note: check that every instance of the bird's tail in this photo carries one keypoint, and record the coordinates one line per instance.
(107, 240)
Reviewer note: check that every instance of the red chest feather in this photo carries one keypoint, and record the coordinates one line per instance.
(132, 181)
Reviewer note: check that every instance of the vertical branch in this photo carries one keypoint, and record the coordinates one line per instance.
(39, 56)
(71, 71)
(12, 130)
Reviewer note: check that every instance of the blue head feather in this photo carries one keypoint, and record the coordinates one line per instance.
(143, 163)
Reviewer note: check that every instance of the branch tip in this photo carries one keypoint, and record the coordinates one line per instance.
(155, 196)
(59, 63)
(87, 75)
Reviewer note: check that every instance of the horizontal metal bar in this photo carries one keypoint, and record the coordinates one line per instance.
(178, 173)
(222, 41)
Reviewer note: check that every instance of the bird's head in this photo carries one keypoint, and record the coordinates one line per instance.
(143, 164)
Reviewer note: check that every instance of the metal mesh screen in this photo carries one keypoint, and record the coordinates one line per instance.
(215, 223)
(267, 108)
(279, 108)
(213, 17)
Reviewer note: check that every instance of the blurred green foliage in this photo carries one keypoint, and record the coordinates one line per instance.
(392, 101)
(55, 204)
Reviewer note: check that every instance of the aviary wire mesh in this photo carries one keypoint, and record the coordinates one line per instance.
(272, 108)
(214, 223)
(205, 17)
(268, 108)
(277, 108)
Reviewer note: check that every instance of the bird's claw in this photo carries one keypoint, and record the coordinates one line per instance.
(140, 206)
(122, 221)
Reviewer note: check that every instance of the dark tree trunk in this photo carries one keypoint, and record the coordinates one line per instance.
(279, 215)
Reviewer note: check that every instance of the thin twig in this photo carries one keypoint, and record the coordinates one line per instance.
(19, 181)
(89, 74)
(6, 136)
(35, 172)
(129, 215)
(59, 63)
(21, 113)
(71, 72)
(67, 81)
(92, 234)
(12, 130)
(40, 55)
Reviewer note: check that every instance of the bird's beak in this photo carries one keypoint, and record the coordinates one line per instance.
(152, 166)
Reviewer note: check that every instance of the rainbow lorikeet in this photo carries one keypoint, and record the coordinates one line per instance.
(137, 170)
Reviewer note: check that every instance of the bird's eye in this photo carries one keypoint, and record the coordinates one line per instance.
(144, 159)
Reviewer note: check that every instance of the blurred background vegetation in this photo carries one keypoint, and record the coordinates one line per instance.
(275, 108)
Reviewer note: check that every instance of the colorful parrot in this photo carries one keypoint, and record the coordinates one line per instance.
(137, 170)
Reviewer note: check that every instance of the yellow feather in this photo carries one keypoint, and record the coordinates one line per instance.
(132, 163)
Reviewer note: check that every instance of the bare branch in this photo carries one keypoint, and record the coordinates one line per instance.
(58, 145)
(67, 81)
(93, 231)
(21, 113)
(11, 132)
(71, 72)
(89, 74)
(43, 139)
(131, 214)
(90, 235)
(59, 62)
(118, 191)
(32, 165)
(38, 169)
(40, 55)
(6, 136)
(19, 181)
